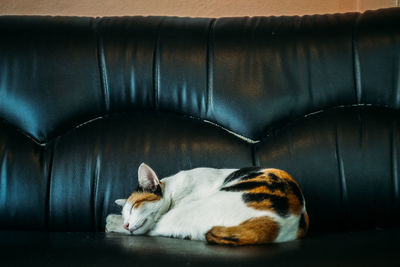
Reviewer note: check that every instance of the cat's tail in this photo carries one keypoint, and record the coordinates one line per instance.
(258, 230)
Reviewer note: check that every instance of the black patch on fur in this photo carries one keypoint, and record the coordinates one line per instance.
(302, 222)
(278, 203)
(244, 174)
(278, 185)
(139, 189)
(275, 183)
(273, 177)
(157, 192)
(284, 184)
(296, 191)
(244, 186)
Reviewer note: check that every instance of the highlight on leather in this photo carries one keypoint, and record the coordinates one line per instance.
(315, 95)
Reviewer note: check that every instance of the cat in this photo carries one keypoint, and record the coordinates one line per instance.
(245, 206)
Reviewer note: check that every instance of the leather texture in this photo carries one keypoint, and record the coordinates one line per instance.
(370, 248)
(83, 101)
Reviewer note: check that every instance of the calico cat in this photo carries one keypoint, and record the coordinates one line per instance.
(224, 206)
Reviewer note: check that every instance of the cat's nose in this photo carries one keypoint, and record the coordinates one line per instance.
(126, 226)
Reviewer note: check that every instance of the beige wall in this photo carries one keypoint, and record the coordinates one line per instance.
(193, 8)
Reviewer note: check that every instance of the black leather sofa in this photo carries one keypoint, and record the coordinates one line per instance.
(83, 101)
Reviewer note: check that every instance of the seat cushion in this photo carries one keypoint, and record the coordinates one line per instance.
(379, 248)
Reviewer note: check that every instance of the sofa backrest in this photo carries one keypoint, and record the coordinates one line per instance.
(83, 101)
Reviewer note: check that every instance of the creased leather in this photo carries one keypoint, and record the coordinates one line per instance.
(83, 101)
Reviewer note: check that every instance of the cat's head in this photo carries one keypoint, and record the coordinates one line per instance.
(146, 204)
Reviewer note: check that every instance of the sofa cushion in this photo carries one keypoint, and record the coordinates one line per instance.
(100, 249)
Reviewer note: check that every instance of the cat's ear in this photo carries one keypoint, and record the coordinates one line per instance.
(120, 202)
(148, 179)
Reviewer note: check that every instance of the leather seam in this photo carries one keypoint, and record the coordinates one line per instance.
(341, 172)
(356, 61)
(210, 70)
(254, 154)
(26, 134)
(101, 61)
(94, 190)
(156, 67)
(49, 183)
(268, 132)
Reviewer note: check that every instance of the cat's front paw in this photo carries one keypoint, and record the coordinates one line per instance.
(114, 224)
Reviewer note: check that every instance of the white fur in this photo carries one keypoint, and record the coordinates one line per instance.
(147, 177)
(191, 205)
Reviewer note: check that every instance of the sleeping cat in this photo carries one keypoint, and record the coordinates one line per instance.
(224, 206)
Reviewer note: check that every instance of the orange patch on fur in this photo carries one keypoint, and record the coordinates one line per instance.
(295, 207)
(280, 173)
(138, 199)
(265, 204)
(262, 205)
(259, 230)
